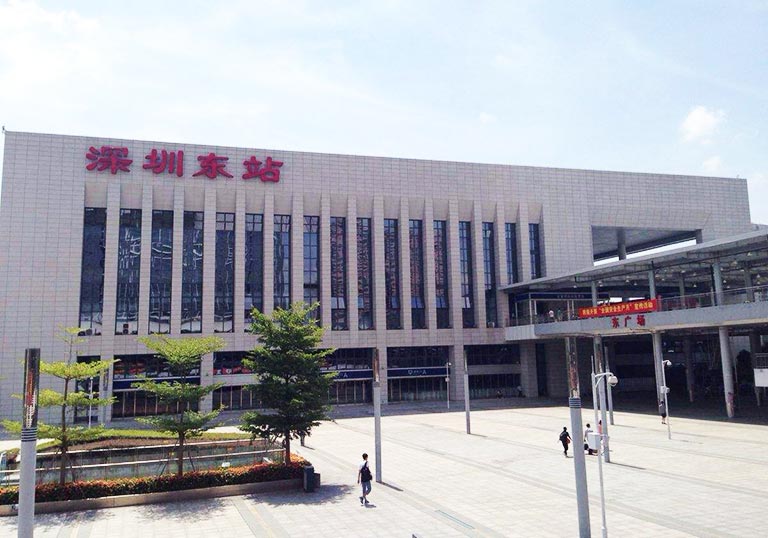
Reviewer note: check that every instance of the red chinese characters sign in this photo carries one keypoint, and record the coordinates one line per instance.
(616, 309)
(159, 161)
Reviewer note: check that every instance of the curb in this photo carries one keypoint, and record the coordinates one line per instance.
(155, 498)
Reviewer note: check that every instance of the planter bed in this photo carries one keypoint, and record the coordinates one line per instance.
(52, 497)
(155, 498)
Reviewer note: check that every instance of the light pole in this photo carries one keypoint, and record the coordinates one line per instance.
(377, 414)
(448, 384)
(612, 381)
(665, 393)
(26, 516)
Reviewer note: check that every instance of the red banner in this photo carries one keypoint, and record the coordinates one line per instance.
(615, 309)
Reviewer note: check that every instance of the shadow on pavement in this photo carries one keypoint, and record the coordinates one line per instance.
(184, 511)
(326, 494)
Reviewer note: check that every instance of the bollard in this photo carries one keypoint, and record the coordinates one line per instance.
(309, 479)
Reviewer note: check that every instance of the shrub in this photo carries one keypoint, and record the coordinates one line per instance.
(264, 472)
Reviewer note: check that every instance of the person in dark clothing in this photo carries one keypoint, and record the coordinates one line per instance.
(565, 439)
(663, 411)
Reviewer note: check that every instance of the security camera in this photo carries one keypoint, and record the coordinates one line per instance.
(613, 380)
(666, 363)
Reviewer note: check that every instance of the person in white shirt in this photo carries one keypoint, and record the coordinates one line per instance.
(588, 448)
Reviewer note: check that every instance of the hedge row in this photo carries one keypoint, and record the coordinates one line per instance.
(265, 472)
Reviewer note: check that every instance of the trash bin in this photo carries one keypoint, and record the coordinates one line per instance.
(309, 479)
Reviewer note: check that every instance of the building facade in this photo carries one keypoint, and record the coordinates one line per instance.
(405, 257)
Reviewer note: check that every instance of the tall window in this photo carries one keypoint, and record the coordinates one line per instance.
(312, 263)
(489, 274)
(128, 272)
(224, 302)
(510, 230)
(192, 273)
(441, 274)
(160, 273)
(535, 244)
(92, 270)
(282, 268)
(254, 264)
(339, 274)
(465, 261)
(392, 273)
(364, 275)
(416, 240)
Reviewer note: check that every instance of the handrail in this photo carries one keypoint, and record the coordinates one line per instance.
(752, 294)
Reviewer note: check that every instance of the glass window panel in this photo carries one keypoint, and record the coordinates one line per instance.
(92, 270)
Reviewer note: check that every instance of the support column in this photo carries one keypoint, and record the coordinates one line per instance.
(725, 359)
(658, 358)
(689, 373)
(528, 378)
(717, 276)
(748, 283)
(577, 434)
(651, 284)
(754, 349)
(621, 240)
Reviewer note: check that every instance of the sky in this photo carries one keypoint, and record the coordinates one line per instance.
(655, 86)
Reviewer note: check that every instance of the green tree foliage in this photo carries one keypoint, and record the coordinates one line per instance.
(183, 356)
(289, 384)
(68, 401)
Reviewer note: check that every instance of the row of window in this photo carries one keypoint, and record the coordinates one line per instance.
(161, 262)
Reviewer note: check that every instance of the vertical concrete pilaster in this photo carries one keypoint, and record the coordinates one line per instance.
(405, 265)
(500, 251)
(297, 249)
(352, 268)
(325, 260)
(269, 252)
(379, 281)
(478, 265)
(177, 261)
(429, 268)
(209, 260)
(239, 302)
(523, 242)
(146, 259)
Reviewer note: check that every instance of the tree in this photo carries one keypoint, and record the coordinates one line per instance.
(182, 356)
(68, 402)
(286, 367)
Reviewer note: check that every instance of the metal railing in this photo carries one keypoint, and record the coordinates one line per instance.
(754, 294)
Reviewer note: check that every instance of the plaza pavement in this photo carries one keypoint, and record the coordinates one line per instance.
(509, 478)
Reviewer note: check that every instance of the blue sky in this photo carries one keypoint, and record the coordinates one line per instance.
(673, 86)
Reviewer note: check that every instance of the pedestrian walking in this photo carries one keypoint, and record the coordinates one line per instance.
(663, 411)
(565, 439)
(364, 478)
(587, 431)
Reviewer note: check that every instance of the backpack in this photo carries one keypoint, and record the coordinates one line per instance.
(365, 473)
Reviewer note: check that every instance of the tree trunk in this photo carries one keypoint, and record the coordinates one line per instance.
(287, 437)
(64, 442)
(180, 464)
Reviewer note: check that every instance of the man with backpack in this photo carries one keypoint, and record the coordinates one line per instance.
(364, 477)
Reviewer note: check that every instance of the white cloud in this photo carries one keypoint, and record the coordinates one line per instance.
(486, 118)
(700, 124)
(713, 165)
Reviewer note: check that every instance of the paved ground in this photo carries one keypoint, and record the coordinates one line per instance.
(507, 479)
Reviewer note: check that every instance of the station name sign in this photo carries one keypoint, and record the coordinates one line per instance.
(617, 309)
(162, 161)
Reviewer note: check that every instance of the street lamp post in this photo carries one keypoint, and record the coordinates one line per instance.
(665, 393)
(612, 380)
